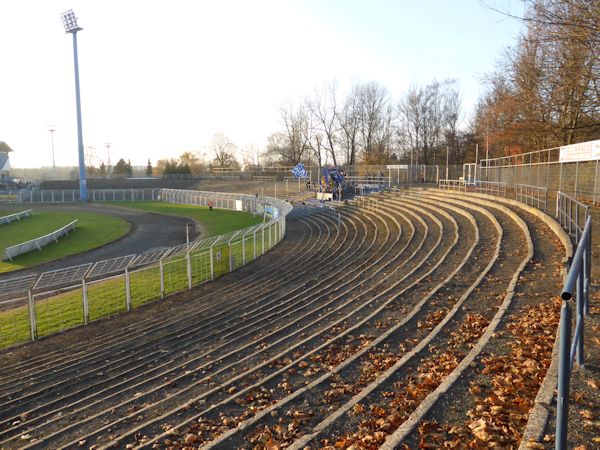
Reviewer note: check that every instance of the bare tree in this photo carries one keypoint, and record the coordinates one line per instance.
(192, 160)
(373, 105)
(224, 151)
(349, 119)
(324, 111)
(290, 145)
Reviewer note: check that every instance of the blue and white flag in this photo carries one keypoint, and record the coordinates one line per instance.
(299, 171)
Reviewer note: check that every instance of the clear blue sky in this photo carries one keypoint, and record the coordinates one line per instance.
(159, 78)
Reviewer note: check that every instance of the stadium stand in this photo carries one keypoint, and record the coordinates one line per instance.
(347, 333)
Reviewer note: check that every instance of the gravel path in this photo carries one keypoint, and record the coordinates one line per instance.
(148, 230)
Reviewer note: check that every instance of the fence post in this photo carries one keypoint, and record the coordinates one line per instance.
(188, 260)
(212, 264)
(162, 278)
(244, 249)
(86, 305)
(32, 318)
(263, 240)
(230, 257)
(254, 243)
(564, 369)
(127, 290)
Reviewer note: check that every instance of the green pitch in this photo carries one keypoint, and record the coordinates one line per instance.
(217, 221)
(93, 230)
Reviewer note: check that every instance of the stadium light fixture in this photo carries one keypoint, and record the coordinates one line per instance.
(70, 23)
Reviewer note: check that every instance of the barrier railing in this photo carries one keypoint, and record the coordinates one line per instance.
(38, 305)
(72, 195)
(491, 187)
(37, 243)
(571, 214)
(16, 216)
(486, 187)
(532, 195)
(453, 185)
(577, 285)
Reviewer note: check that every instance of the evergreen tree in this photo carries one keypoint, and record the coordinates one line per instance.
(149, 169)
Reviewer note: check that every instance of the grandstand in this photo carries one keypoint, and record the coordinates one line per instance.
(347, 333)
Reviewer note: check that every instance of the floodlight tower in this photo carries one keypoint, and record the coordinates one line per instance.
(52, 129)
(70, 23)
(108, 145)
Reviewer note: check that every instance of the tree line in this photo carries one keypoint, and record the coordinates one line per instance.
(543, 93)
(368, 126)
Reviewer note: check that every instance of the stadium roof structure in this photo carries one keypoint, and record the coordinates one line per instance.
(4, 148)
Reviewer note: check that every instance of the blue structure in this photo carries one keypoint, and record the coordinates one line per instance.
(4, 161)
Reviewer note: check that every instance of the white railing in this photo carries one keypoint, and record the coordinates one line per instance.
(72, 195)
(486, 187)
(37, 305)
(453, 185)
(532, 195)
(37, 243)
(15, 216)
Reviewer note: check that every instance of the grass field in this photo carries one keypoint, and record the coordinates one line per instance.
(93, 230)
(108, 297)
(217, 221)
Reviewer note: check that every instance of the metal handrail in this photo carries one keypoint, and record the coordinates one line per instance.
(532, 195)
(453, 184)
(577, 285)
(571, 214)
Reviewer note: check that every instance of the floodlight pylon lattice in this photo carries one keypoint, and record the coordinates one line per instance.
(70, 22)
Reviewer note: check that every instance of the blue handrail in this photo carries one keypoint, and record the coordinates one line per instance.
(577, 285)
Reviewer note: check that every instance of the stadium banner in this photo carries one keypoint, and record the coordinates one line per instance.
(584, 151)
(299, 171)
(397, 166)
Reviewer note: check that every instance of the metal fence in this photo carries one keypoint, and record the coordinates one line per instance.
(16, 216)
(486, 187)
(453, 185)
(571, 214)
(543, 168)
(41, 304)
(38, 243)
(532, 195)
(72, 195)
(578, 285)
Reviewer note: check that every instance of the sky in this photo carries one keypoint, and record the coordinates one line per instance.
(159, 78)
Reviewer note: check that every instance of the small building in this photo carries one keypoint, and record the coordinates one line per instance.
(4, 159)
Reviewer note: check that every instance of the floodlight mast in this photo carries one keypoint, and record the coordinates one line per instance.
(70, 23)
